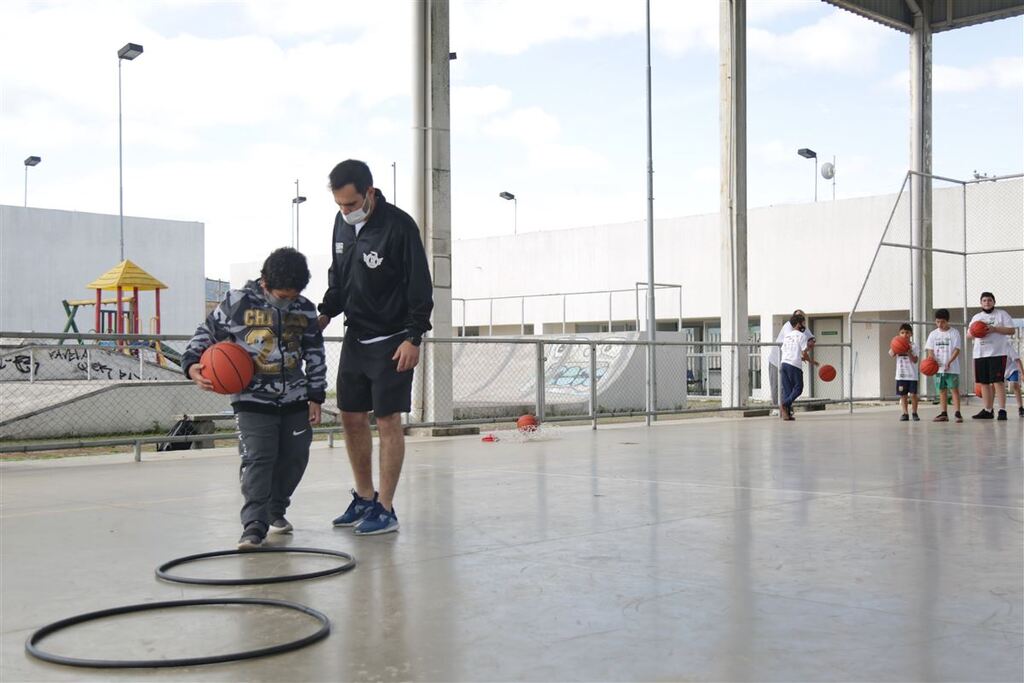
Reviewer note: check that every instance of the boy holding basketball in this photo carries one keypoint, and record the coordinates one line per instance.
(991, 330)
(943, 344)
(906, 373)
(276, 411)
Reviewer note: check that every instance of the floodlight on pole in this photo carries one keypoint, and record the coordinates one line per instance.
(128, 52)
(30, 161)
(811, 154)
(296, 200)
(515, 210)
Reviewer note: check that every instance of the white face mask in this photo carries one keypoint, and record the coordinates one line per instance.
(357, 216)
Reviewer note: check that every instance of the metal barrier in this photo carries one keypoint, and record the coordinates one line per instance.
(124, 391)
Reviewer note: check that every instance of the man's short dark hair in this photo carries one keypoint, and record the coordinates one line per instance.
(942, 314)
(351, 172)
(796, 320)
(907, 327)
(285, 268)
(990, 295)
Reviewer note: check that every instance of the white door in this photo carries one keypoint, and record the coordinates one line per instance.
(826, 331)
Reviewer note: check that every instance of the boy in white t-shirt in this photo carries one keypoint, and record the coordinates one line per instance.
(1014, 374)
(944, 346)
(795, 348)
(774, 355)
(990, 353)
(906, 374)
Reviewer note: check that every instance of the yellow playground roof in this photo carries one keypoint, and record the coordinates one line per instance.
(126, 275)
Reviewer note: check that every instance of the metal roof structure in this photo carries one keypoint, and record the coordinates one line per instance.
(946, 14)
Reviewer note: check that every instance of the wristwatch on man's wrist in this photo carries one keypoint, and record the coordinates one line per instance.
(415, 341)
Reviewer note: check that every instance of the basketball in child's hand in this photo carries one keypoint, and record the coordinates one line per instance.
(827, 373)
(977, 390)
(929, 366)
(978, 329)
(899, 344)
(228, 367)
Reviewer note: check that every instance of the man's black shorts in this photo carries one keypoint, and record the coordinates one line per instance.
(906, 386)
(989, 370)
(368, 378)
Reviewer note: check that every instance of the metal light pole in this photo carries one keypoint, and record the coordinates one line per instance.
(515, 210)
(30, 161)
(651, 320)
(129, 52)
(811, 154)
(297, 200)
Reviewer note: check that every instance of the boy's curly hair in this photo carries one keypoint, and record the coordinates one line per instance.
(285, 268)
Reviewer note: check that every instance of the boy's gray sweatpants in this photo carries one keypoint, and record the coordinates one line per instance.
(275, 451)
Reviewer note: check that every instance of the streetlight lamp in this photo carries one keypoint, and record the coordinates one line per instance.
(31, 161)
(515, 210)
(129, 52)
(811, 154)
(296, 200)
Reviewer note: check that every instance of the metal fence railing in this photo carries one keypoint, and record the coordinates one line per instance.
(63, 391)
(941, 249)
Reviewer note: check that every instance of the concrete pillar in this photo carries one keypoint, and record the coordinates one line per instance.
(921, 162)
(733, 121)
(432, 390)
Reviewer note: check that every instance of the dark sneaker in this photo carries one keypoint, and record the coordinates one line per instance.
(904, 418)
(377, 521)
(983, 415)
(959, 417)
(252, 537)
(281, 526)
(1020, 411)
(941, 417)
(1001, 415)
(915, 418)
(357, 509)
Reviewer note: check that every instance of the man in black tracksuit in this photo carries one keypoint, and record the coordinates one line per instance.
(379, 278)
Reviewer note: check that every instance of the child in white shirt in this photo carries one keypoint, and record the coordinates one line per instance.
(943, 345)
(906, 374)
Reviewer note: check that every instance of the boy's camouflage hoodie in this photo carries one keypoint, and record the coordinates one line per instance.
(279, 341)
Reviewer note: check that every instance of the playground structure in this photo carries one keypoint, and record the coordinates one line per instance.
(125, 276)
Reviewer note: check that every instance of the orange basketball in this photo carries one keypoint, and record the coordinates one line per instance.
(929, 366)
(228, 366)
(527, 423)
(899, 344)
(977, 390)
(827, 373)
(978, 329)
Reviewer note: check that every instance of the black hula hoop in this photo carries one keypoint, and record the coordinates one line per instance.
(162, 570)
(31, 645)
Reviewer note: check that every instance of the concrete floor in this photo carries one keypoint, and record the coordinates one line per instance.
(831, 548)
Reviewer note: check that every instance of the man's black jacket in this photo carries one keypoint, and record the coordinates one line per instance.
(380, 280)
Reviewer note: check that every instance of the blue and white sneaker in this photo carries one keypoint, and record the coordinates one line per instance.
(357, 509)
(377, 521)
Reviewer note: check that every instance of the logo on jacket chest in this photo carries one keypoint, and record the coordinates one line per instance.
(372, 260)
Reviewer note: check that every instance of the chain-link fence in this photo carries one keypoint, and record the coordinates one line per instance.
(100, 390)
(934, 253)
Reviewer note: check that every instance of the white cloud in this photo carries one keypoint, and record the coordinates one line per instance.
(840, 42)
(1000, 72)
(528, 125)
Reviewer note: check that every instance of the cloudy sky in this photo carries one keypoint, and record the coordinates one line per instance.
(233, 101)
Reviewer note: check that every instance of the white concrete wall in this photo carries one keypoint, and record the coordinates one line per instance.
(812, 256)
(48, 255)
